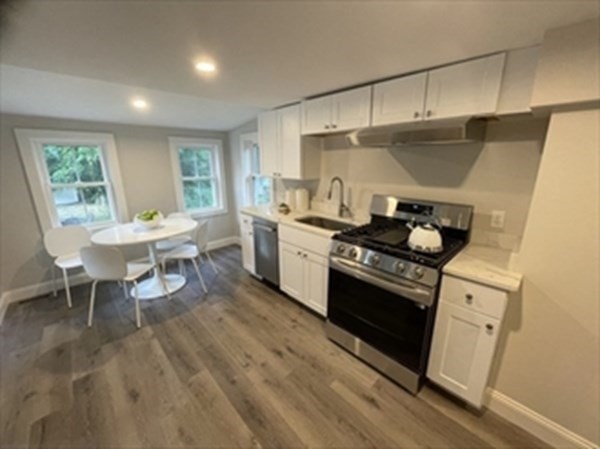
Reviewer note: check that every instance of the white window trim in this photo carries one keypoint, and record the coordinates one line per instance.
(248, 193)
(30, 143)
(177, 142)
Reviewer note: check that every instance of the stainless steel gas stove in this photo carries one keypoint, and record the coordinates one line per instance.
(382, 295)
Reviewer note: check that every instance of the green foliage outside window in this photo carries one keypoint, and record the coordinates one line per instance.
(199, 178)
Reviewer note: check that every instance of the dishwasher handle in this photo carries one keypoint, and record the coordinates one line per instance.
(264, 228)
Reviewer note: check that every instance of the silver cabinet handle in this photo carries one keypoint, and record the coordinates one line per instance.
(305, 255)
(416, 115)
(469, 298)
(334, 126)
(489, 327)
(429, 113)
(326, 126)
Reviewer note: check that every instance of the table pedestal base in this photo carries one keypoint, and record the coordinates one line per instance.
(153, 287)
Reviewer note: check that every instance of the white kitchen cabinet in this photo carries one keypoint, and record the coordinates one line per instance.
(316, 271)
(399, 100)
(303, 275)
(268, 141)
(465, 334)
(284, 153)
(468, 88)
(291, 270)
(517, 81)
(343, 111)
(247, 238)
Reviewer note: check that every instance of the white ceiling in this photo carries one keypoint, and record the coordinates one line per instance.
(268, 53)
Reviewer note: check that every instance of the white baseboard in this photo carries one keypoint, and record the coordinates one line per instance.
(220, 243)
(43, 288)
(35, 290)
(545, 429)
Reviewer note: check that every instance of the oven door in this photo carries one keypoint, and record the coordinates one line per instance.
(395, 319)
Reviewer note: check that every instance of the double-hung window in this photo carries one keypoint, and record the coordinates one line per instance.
(198, 173)
(74, 177)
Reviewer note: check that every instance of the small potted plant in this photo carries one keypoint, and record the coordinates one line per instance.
(148, 219)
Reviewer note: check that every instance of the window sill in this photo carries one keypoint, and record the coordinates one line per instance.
(208, 213)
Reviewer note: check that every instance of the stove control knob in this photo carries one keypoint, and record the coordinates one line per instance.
(374, 260)
(418, 272)
(352, 253)
(400, 267)
(341, 248)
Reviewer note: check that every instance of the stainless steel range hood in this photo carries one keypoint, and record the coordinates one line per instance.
(435, 132)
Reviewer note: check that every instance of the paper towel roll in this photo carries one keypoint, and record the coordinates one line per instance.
(302, 200)
(290, 198)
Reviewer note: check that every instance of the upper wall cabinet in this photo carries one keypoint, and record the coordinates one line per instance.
(469, 88)
(343, 111)
(283, 152)
(399, 100)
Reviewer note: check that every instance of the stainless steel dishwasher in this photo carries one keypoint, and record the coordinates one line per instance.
(266, 250)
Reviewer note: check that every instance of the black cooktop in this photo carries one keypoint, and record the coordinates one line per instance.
(391, 237)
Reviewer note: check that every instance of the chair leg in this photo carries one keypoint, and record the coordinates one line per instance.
(181, 267)
(214, 267)
(92, 300)
(164, 265)
(199, 275)
(138, 321)
(67, 289)
(124, 285)
(53, 269)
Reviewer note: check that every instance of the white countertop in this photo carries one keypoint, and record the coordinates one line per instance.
(486, 265)
(131, 234)
(290, 219)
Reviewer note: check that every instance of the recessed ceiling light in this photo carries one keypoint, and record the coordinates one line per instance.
(205, 66)
(139, 103)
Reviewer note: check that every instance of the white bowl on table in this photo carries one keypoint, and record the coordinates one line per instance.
(147, 225)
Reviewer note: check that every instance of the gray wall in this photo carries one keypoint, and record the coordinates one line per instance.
(145, 164)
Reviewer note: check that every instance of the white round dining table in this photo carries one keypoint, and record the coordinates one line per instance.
(131, 234)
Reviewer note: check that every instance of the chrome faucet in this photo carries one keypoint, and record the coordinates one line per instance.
(342, 209)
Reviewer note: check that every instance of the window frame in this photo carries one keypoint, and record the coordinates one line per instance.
(249, 175)
(31, 146)
(216, 145)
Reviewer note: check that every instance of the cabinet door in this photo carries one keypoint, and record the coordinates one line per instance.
(399, 100)
(291, 270)
(316, 115)
(268, 123)
(289, 142)
(247, 244)
(462, 350)
(351, 109)
(316, 271)
(468, 88)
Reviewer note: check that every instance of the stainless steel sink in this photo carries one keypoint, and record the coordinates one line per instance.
(324, 223)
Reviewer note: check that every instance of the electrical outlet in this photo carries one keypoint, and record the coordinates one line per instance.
(498, 217)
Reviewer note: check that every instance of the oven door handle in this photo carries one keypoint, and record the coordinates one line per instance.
(413, 292)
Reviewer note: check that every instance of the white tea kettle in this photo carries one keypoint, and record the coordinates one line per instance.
(424, 237)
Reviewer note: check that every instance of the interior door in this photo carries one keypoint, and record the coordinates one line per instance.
(351, 109)
(268, 143)
(469, 88)
(399, 100)
(291, 270)
(462, 350)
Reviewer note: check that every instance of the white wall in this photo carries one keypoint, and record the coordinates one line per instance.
(550, 353)
(498, 174)
(144, 159)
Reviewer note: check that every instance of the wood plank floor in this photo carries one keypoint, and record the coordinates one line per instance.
(241, 367)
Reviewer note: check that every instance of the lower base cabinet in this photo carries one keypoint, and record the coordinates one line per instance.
(465, 334)
(247, 237)
(303, 276)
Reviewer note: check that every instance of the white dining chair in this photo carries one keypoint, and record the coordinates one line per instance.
(193, 251)
(104, 263)
(64, 244)
(173, 242)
